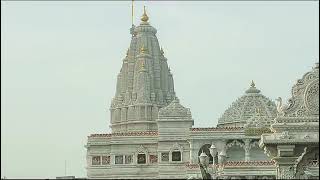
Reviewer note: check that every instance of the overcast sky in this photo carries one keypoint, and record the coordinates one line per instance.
(60, 60)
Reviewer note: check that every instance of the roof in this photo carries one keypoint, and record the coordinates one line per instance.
(174, 109)
(246, 107)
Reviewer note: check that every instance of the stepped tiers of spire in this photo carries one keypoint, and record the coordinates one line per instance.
(144, 84)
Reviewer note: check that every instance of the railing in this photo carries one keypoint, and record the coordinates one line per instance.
(140, 133)
(235, 163)
(218, 129)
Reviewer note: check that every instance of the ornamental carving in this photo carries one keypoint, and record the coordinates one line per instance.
(245, 108)
(174, 109)
(286, 172)
(256, 131)
(235, 143)
(305, 96)
(176, 147)
(309, 158)
(312, 97)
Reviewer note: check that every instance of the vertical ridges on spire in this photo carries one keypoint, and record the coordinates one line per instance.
(144, 85)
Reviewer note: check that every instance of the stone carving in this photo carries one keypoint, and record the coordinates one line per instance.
(153, 159)
(281, 107)
(105, 160)
(270, 151)
(301, 156)
(175, 109)
(286, 172)
(312, 97)
(118, 159)
(176, 146)
(309, 158)
(164, 156)
(305, 96)
(96, 160)
(285, 135)
(235, 143)
(142, 149)
(128, 159)
(136, 133)
(245, 107)
(218, 129)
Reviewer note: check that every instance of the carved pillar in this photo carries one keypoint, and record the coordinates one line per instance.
(285, 162)
(223, 151)
(285, 171)
(247, 149)
(193, 152)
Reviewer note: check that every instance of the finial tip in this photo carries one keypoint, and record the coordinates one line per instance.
(144, 17)
(253, 84)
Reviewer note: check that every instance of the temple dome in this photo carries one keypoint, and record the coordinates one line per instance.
(245, 108)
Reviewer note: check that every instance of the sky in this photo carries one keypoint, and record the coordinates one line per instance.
(60, 60)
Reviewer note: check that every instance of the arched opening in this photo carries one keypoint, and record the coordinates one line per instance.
(205, 149)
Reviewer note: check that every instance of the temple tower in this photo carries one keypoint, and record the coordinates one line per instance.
(144, 83)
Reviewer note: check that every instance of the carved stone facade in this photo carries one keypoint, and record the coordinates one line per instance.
(152, 134)
(294, 143)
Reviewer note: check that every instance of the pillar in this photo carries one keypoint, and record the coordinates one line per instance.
(285, 162)
(247, 149)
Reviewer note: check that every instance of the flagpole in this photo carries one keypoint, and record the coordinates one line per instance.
(132, 12)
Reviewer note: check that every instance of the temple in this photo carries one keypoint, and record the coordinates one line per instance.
(153, 135)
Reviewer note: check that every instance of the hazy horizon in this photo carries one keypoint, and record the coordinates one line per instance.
(60, 61)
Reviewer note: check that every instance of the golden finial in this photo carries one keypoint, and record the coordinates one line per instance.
(253, 84)
(144, 16)
(143, 50)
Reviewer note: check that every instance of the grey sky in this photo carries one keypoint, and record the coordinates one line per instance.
(59, 62)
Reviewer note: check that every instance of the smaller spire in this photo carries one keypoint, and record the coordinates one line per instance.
(253, 84)
(144, 16)
(142, 68)
(161, 51)
(127, 53)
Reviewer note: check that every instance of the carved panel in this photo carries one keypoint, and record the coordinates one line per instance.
(305, 96)
(308, 159)
(312, 97)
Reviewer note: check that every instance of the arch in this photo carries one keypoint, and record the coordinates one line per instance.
(140, 152)
(205, 149)
(175, 151)
(232, 143)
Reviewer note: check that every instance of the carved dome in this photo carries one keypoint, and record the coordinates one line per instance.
(246, 107)
(258, 121)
